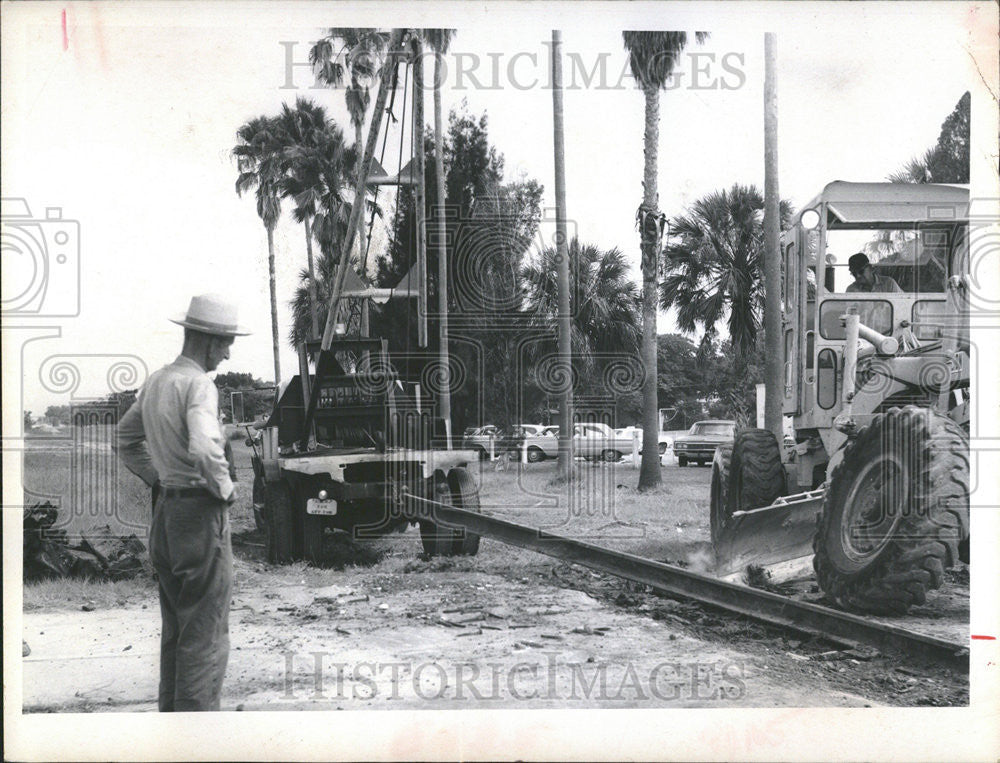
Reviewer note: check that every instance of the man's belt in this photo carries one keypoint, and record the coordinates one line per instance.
(184, 492)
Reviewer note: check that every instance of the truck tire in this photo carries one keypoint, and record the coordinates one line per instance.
(434, 541)
(682, 461)
(896, 513)
(611, 455)
(259, 520)
(756, 474)
(465, 495)
(313, 532)
(720, 512)
(535, 454)
(460, 491)
(282, 539)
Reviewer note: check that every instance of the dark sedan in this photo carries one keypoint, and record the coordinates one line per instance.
(699, 444)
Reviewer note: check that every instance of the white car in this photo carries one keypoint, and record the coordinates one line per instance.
(530, 430)
(664, 441)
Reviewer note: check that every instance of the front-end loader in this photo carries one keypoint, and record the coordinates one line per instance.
(874, 491)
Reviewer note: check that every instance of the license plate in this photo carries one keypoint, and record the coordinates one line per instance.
(316, 506)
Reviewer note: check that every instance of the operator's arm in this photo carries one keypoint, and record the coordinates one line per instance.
(206, 443)
(130, 444)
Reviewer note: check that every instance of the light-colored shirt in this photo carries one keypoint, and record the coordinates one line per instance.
(882, 284)
(172, 431)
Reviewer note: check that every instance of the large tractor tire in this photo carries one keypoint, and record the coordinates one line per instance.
(756, 474)
(283, 544)
(458, 490)
(720, 510)
(896, 512)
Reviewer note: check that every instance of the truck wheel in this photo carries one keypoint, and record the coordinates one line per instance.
(756, 474)
(460, 491)
(720, 511)
(611, 455)
(896, 512)
(437, 541)
(313, 532)
(465, 494)
(282, 540)
(259, 520)
(681, 461)
(535, 455)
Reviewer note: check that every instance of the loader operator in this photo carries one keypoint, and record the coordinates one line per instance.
(171, 438)
(865, 278)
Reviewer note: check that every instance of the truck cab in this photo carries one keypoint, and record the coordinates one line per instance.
(372, 462)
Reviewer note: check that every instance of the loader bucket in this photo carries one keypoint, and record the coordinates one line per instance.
(777, 538)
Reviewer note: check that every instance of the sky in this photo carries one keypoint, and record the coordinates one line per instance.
(124, 117)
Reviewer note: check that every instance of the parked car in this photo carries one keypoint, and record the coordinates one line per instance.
(531, 429)
(664, 441)
(590, 440)
(502, 440)
(699, 444)
(542, 444)
(594, 440)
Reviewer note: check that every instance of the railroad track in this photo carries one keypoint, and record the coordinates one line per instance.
(812, 619)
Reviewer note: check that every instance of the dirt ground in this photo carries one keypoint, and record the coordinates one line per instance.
(385, 628)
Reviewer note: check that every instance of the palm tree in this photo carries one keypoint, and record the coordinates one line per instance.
(258, 154)
(315, 167)
(604, 302)
(302, 127)
(714, 267)
(301, 303)
(358, 52)
(652, 57)
(917, 170)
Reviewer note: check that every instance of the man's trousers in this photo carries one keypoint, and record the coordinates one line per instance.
(191, 551)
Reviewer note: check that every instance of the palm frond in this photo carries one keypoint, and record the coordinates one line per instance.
(713, 264)
(653, 56)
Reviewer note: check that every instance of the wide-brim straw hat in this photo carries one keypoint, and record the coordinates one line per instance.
(212, 314)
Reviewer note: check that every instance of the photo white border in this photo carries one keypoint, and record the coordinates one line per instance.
(763, 734)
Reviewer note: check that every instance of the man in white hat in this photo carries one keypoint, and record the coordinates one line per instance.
(172, 439)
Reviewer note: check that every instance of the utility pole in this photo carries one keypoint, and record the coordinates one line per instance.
(562, 258)
(420, 189)
(444, 399)
(774, 353)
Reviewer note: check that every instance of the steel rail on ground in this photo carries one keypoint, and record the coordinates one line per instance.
(841, 627)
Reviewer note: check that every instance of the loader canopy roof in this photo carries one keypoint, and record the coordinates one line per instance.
(891, 204)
